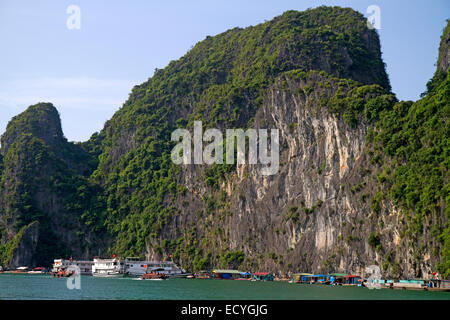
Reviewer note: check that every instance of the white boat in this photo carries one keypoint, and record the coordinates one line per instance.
(108, 268)
(136, 268)
(62, 264)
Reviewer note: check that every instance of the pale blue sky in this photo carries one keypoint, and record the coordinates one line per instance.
(88, 73)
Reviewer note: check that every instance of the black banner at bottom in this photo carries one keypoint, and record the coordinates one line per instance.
(230, 309)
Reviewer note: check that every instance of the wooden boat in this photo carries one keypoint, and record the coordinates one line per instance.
(154, 276)
(203, 275)
(62, 274)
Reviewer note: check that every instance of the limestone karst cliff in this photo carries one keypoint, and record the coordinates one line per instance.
(361, 181)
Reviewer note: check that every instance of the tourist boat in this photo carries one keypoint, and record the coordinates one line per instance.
(136, 268)
(85, 266)
(108, 268)
(154, 275)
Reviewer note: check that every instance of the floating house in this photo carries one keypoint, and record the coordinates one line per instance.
(301, 278)
(414, 284)
(417, 284)
(263, 276)
(352, 280)
(320, 279)
(337, 278)
(382, 282)
(438, 285)
(227, 274)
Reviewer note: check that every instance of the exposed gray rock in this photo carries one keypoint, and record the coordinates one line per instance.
(25, 254)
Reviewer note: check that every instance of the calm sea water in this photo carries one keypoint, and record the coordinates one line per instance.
(25, 286)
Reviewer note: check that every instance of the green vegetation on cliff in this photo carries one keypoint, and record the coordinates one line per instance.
(414, 141)
(41, 181)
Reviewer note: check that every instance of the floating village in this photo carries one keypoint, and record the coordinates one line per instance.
(163, 270)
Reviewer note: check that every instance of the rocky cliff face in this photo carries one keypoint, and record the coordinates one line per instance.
(444, 51)
(307, 216)
(25, 253)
